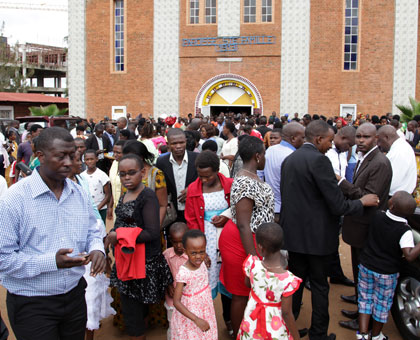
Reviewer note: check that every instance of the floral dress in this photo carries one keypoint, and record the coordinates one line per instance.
(262, 317)
(196, 297)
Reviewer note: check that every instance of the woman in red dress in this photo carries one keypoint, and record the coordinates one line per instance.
(252, 204)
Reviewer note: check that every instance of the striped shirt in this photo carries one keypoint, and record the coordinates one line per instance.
(34, 226)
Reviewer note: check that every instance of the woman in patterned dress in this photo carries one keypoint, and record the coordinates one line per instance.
(138, 207)
(207, 197)
(155, 180)
(252, 204)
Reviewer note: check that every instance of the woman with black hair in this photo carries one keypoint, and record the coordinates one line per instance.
(230, 146)
(153, 178)
(207, 197)
(147, 132)
(252, 204)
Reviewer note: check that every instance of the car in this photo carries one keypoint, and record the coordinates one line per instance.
(406, 305)
(67, 122)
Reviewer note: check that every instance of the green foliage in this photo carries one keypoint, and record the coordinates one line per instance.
(50, 110)
(407, 112)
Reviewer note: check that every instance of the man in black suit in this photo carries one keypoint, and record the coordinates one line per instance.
(101, 144)
(312, 204)
(373, 175)
(179, 169)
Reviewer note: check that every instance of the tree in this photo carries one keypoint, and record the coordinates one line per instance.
(407, 112)
(50, 110)
(12, 78)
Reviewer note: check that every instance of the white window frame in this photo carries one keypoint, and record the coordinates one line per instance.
(269, 8)
(206, 17)
(8, 108)
(345, 106)
(118, 112)
(193, 11)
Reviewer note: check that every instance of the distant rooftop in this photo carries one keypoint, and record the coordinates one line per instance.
(31, 98)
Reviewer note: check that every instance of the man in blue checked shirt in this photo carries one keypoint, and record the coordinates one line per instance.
(48, 234)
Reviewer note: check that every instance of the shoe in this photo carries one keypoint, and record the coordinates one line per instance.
(351, 314)
(349, 298)
(331, 337)
(229, 328)
(303, 332)
(362, 336)
(308, 284)
(351, 324)
(342, 281)
(381, 336)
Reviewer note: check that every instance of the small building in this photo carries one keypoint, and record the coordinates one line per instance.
(14, 105)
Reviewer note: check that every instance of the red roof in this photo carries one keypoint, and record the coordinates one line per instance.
(31, 98)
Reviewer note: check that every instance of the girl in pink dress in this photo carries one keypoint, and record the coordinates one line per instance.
(268, 314)
(194, 317)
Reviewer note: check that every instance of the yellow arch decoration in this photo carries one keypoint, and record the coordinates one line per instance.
(248, 98)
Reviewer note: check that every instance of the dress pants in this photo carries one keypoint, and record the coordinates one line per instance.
(335, 270)
(315, 268)
(56, 317)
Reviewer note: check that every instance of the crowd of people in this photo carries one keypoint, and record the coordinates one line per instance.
(171, 213)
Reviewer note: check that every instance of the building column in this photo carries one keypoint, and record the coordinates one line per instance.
(405, 52)
(228, 18)
(76, 81)
(295, 42)
(165, 57)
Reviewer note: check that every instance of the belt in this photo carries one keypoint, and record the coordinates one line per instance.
(259, 314)
(196, 293)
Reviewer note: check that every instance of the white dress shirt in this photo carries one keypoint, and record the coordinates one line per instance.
(404, 167)
(338, 161)
(101, 146)
(361, 157)
(401, 134)
(180, 176)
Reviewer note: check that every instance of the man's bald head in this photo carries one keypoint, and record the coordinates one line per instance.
(294, 133)
(121, 123)
(387, 135)
(345, 138)
(195, 124)
(367, 127)
(348, 132)
(412, 125)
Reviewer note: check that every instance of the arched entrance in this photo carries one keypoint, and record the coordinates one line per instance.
(228, 92)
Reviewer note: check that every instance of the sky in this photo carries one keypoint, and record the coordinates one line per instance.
(34, 26)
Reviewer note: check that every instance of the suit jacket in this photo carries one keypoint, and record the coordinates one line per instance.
(312, 203)
(165, 165)
(92, 143)
(373, 177)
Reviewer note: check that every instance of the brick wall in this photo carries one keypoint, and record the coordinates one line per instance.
(133, 88)
(260, 63)
(329, 86)
(371, 87)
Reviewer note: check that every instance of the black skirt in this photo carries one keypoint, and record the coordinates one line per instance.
(151, 289)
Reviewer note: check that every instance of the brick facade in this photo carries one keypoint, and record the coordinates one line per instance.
(134, 87)
(371, 87)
